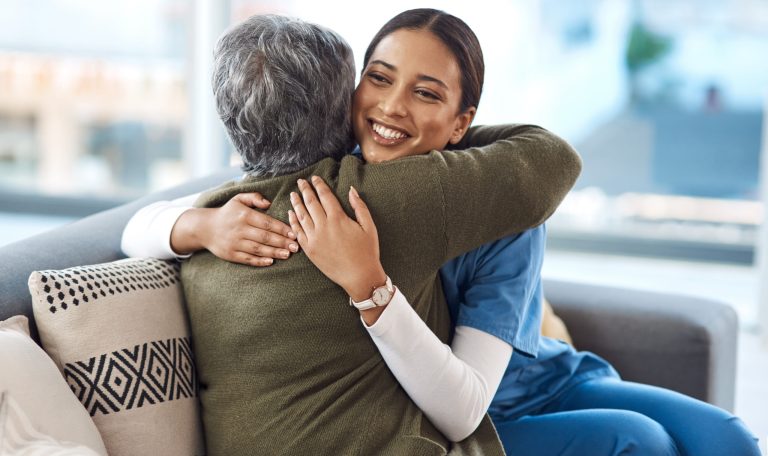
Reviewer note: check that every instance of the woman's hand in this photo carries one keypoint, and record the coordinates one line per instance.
(345, 250)
(235, 232)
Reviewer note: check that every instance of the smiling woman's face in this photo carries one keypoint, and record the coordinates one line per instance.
(407, 102)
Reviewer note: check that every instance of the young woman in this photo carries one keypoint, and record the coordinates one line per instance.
(419, 90)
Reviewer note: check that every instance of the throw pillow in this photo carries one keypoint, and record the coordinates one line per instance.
(552, 325)
(119, 333)
(19, 437)
(29, 376)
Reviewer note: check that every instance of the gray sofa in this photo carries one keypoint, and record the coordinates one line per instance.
(683, 343)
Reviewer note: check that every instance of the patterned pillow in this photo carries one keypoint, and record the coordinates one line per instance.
(119, 334)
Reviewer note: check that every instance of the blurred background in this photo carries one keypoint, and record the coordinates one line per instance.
(101, 102)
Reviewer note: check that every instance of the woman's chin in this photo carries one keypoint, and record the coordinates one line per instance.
(382, 154)
(376, 156)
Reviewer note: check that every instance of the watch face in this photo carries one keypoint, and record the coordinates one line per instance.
(381, 296)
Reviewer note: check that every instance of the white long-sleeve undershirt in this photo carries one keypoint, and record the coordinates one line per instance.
(148, 232)
(452, 385)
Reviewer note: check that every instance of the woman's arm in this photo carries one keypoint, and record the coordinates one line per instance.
(148, 232)
(512, 183)
(234, 232)
(452, 387)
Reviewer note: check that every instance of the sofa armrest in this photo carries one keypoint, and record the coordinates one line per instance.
(683, 343)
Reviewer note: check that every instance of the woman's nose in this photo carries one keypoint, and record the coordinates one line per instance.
(393, 104)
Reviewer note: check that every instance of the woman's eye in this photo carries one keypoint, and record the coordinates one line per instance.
(377, 78)
(427, 94)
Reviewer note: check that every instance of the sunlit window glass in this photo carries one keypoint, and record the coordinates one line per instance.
(93, 96)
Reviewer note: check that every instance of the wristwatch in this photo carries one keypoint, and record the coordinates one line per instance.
(380, 296)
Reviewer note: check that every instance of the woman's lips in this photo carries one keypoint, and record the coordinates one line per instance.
(386, 136)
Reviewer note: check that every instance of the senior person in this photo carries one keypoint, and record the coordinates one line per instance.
(285, 366)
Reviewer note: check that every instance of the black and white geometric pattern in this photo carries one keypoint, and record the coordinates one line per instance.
(145, 374)
(82, 285)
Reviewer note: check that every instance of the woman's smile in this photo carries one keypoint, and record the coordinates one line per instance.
(387, 135)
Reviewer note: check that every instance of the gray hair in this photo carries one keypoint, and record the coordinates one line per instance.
(283, 89)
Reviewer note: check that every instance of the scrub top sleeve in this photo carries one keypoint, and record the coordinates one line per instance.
(503, 297)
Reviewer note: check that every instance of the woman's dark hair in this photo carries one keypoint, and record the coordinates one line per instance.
(455, 34)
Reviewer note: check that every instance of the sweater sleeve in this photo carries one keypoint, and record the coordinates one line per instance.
(148, 232)
(511, 184)
(453, 385)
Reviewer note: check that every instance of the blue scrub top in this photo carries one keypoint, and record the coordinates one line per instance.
(497, 289)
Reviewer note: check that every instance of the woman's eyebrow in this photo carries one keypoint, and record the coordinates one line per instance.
(388, 65)
(422, 77)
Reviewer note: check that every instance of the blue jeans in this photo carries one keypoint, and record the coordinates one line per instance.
(602, 417)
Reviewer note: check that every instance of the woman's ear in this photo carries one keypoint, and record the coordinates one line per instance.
(463, 121)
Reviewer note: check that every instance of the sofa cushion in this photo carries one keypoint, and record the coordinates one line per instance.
(31, 388)
(119, 334)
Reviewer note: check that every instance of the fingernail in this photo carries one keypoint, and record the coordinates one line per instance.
(284, 254)
(315, 179)
(353, 190)
(294, 197)
(293, 247)
(292, 235)
(301, 182)
(269, 261)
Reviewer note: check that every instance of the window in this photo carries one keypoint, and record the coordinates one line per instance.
(665, 102)
(95, 98)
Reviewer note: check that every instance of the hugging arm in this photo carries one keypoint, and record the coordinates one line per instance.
(148, 232)
(234, 232)
(539, 169)
(253, 238)
(523, 178)
(453, 385)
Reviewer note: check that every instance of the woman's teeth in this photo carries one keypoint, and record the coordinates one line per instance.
(387, 133)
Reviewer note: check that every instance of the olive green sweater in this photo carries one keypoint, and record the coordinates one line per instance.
(285, 364)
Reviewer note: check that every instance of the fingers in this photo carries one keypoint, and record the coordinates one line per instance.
(253, 199)
(311, 203)
(259, 219)
(301, 236)
(250, 260)
(260, 250)
(327, 198)
(362, 214)
(269, 230)
(260, 242)
(304, 220)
